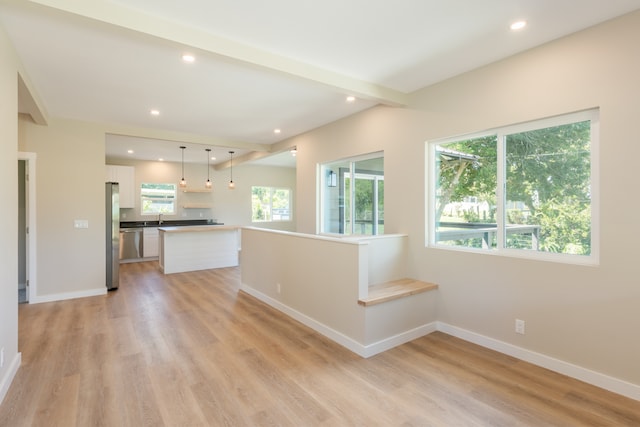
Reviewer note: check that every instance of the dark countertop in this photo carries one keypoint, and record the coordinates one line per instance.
(168, 223)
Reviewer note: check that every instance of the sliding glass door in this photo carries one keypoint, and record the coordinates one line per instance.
(353, 196)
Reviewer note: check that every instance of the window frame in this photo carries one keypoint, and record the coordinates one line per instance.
(272, 190)
(175, 199)
(592, 115)
(324, 180)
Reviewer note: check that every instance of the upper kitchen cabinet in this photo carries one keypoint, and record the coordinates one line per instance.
(126, 177)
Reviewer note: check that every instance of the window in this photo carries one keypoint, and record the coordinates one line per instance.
(158, 198)
(270, 204)
(353, 196)
(525, 189)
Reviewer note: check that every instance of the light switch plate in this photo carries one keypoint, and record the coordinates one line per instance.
(81, 223)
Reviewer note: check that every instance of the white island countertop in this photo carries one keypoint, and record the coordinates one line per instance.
(198, 247)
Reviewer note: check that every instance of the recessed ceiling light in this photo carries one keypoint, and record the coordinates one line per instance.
(277, 131)
(130, 151)
(154, 112)
(518, 25)
(213, 158)
(161, 159)
(351, 98)
(188, 58)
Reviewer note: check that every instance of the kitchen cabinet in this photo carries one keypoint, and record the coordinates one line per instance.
(150, 242)
(126, 177)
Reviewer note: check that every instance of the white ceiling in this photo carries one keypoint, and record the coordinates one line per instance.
(260, 65)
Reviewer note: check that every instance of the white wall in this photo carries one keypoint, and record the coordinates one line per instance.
(231, 207)
(318, 277)
(69, 186)
(9, 212)
(585, 316)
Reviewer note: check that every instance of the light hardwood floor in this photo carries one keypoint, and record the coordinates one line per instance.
(189, 349)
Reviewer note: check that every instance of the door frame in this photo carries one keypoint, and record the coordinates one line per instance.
(30, 173)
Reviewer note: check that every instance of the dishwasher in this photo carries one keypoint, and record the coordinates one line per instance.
(131, 243)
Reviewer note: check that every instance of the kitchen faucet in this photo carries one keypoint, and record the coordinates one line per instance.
(160, 219)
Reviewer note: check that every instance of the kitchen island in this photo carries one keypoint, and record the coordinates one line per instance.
(198, 247)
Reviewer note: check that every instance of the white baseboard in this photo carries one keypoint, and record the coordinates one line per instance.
(586, 375)
(6, 381)
(338, 337)
(68, 295)
(396, 340)
(332, 334)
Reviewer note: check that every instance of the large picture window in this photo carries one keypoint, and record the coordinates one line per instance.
(353, 196)
(527, 188)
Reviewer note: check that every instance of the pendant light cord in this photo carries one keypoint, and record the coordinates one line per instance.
(183, 183)
(208, 183)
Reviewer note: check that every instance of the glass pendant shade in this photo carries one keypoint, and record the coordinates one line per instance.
(232, 185)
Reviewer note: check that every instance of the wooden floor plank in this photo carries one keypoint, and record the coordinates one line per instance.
(190, 349)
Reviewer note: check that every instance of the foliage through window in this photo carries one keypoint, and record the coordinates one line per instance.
(158, 198)
(270, 204)
(526, 187)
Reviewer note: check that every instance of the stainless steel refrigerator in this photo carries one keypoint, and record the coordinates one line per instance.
(112, 202)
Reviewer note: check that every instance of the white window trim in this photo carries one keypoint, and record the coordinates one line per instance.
(593, 115)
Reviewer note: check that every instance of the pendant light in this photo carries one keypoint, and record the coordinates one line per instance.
(208, 183)
(183, 182)
(232, 185)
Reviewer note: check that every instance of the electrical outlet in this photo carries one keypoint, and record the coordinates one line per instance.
(519, 326)
(1, 357)
(278, 287)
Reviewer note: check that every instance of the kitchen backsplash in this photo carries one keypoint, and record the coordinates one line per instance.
(132, 215)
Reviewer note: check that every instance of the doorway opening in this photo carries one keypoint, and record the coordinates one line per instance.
(26, 227)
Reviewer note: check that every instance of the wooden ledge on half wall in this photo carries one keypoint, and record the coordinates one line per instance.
(395, 289)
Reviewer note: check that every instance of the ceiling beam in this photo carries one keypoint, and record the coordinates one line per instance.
(116, 14)
(29, 102)
(166, 135)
